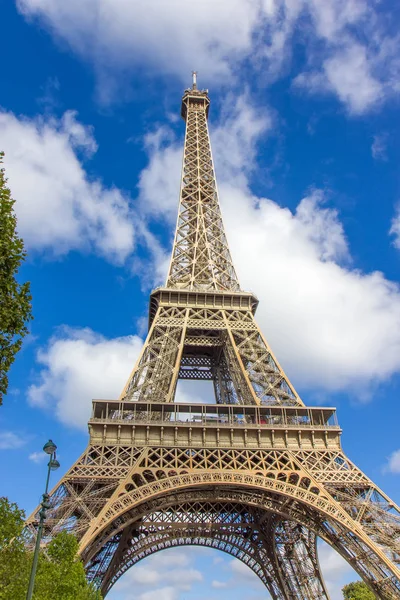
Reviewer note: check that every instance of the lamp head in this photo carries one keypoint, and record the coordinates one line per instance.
(54, 464)
(50, 447)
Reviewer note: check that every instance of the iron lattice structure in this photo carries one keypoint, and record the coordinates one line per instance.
(257, 474)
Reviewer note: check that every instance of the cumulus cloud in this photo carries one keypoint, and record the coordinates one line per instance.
(183, 578)
(235, 137)
(79, 365)
(10, 440)
(332, 17)
(393, 463)
(119, 33)
(37, 457)
(347, 47)
(336, 571)
(242, 571)
(159, 196)
(379, 147)
(242, 577)
(164, 593)
(332, 326)
(349, 74)
(194, 391)
(173, 569)
(395, 229)
(59, 207)
(355, 58)
(218, 585)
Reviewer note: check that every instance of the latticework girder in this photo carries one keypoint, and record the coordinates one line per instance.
(227, 527)
(237, 358)
(288, 483)
(295, 551)
(256, 474)
(200, 258)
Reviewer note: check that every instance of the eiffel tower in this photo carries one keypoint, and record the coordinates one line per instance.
(256, 473)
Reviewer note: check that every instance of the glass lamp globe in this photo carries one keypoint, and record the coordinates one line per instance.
(50, 447)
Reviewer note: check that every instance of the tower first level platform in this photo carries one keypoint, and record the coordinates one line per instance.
(213, 425)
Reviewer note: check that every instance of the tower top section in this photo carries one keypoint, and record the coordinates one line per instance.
(194, 97)
(200, 257)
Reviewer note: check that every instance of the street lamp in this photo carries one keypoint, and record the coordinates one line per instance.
(53, 464)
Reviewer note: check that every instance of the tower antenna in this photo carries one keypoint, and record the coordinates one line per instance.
(194, 75)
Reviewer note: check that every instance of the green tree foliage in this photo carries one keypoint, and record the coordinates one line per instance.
(60, 573)
(15, 298)
(357, 590)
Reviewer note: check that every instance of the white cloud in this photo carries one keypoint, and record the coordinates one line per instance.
(218, 38)
(119, 33)
(393, 463)
(38, 457)
(79, 365)
(332, 326)
(188, 391)
(142, 575)
(218, 585)
(172, 568)
(159, 196)
(242, 571)
(355, 59)
(379, 147)
(10, 440)
(243, 576)
(234, 143)
(332, 564)
(173, 558)
(395, 229)
(349, 75)
(59, 207)
(336, 571)
(332, 17)
(165, 593)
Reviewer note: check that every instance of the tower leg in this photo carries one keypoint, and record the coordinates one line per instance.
(295, 551)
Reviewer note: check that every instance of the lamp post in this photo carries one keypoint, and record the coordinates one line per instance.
(53, 464)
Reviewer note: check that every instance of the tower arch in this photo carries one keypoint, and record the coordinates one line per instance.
(283, 502)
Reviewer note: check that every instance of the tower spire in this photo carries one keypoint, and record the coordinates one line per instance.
(201, 259)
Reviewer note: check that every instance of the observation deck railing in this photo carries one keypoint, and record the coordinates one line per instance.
(212, 415)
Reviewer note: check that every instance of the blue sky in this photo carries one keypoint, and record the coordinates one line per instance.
(305, 130)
